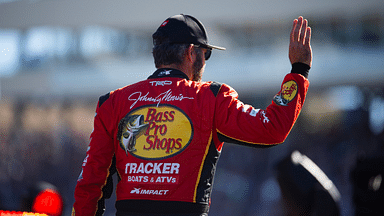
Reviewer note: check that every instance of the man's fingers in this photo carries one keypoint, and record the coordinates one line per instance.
(297, 26)
(308, 36)
(296, 29)
(299, 48)
(293, 30)
(303, 31)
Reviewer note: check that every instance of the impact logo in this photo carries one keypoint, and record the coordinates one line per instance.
(149, 192)
(287, 94)
(155, 132)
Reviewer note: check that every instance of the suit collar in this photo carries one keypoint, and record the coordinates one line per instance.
(168, 72)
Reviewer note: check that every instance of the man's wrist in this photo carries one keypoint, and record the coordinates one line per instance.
(300, 68)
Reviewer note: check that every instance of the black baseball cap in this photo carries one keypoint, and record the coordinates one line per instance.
(183, 29)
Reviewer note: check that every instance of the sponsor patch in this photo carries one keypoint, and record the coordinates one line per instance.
(287, 94)
(264, 117)
(153, 179)
(166, 96)
(149, 192)
(250, 110)
(160, 83)
(152, 168)
(152, 173)
(155, 132)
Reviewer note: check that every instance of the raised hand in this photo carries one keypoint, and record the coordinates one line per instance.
(299, 47)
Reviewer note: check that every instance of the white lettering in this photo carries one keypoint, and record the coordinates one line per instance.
(133, 168)
(148, 171)
(152, 168)
(165, 96)
(254, 112)
(161, 83)
(265, 118)
(149, 192)
(126, 167)
(166, 168)
(156, 168)
(175, 168)
(85, 160)
(141, 168)
(137, 179)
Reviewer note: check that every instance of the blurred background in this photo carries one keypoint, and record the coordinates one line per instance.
(57, 57)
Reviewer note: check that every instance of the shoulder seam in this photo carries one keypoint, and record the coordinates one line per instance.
(215, 88)
(103, 98)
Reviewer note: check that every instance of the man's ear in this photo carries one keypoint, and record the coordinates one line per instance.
(189, 53)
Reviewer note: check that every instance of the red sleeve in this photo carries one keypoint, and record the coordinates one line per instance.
(96, 164)
(243, 124)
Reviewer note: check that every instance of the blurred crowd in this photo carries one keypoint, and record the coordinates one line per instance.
(40, 142)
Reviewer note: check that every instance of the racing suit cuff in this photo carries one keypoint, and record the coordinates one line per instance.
(300, 68)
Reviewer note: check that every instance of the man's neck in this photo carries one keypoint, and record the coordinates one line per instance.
(180, 67)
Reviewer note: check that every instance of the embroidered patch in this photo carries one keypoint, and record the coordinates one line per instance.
(155, 132)
(287, 94)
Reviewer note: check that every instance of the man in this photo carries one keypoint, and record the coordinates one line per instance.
(164, 135)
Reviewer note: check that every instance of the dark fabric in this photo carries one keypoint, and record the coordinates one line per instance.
(204, 189)
(300, 68)
(103, 98)
(107, 189)
(215, 87)
(168, 72)
(134, 214)
(148, 207)
(183, 29)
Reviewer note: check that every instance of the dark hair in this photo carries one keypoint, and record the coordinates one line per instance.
(166, 53)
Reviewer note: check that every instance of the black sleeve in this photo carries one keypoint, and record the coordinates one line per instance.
(103, 98)
(107, 189)
(300, 68)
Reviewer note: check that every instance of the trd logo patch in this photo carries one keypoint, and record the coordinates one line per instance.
(155, 132)
(287, 94)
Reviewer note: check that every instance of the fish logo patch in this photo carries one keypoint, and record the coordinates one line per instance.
(130, 128)
(155, 132)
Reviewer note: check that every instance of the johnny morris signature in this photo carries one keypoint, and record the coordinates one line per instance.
(165, 96)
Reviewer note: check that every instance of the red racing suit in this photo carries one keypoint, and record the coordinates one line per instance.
(166, 134)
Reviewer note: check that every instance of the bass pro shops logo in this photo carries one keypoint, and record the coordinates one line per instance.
(155, 132)
(287, 94)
